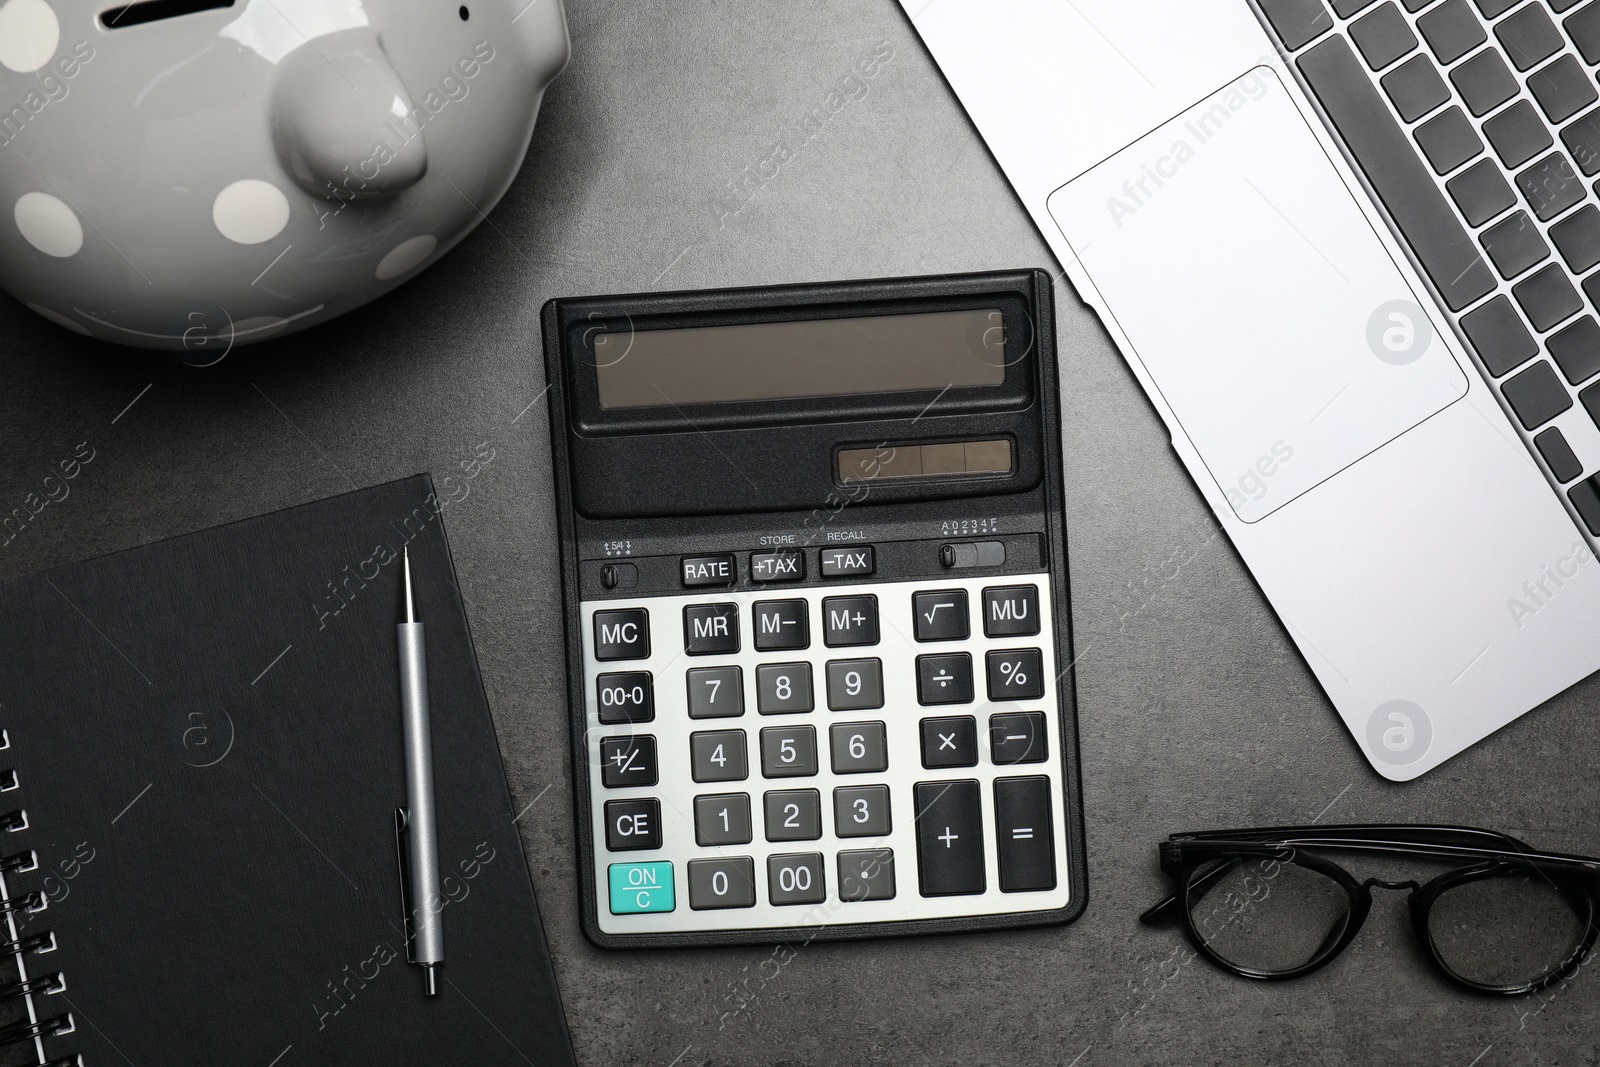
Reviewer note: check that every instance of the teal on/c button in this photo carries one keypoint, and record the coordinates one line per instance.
(641, 887)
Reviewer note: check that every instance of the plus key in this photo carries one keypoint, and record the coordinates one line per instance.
(949, 838)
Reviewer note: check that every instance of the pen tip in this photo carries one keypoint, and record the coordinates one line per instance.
(408, 610)
(430, 975)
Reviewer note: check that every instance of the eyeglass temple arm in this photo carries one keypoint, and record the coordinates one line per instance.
(1398, 833)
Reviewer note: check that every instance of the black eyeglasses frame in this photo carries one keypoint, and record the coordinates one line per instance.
(1487, 854)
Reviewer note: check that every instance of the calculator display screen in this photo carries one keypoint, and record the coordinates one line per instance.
(802, 358)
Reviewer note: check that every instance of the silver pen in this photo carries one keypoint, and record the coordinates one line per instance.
(424, 919)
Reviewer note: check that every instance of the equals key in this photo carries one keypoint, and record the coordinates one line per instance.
(1023, 828)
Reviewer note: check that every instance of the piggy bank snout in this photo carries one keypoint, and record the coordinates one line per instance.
(341, 120)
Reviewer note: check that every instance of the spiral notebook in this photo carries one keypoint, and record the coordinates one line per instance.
(201, 767)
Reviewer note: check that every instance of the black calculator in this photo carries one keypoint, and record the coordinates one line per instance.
(815, 588)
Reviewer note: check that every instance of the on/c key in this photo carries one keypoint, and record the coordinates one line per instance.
(949, 838)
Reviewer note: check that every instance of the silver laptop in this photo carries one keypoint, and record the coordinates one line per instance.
(1349, 249)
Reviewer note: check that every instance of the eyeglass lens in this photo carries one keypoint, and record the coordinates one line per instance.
(1510, 930)
(1266, 915)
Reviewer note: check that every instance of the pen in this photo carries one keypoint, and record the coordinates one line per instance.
(425, 921)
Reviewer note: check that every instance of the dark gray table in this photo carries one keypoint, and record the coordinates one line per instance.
(1195, 708)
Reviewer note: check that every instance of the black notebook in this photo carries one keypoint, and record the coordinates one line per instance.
(202, 764)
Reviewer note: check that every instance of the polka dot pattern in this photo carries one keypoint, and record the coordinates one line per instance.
(251, 211)
(29, 34)
(406, 256)
(48, 224)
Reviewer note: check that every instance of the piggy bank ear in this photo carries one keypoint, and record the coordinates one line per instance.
(340, 120)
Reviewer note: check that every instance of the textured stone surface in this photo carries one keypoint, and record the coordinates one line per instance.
(1195, 708)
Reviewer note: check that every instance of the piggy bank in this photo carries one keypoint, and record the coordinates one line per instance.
(193, 175)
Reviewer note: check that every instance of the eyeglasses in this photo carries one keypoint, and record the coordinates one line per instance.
(1268, 904)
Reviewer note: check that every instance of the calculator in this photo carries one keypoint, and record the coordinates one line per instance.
(815, 598)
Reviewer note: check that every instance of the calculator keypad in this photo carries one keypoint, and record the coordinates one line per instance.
(903, 762)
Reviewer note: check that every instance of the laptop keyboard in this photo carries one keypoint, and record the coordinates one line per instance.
(1476, 123)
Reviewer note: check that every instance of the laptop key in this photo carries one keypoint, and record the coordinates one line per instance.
(1586, 498)
(1558, 6)
(1484, 82)
(1577, 238)
(1584, 29)
(1558, 455)
(1514, 244)
(1518, 134)
(1529, 36)
(1383, 36)
(1563, 88)
(1576, 351)
(1448, 140)
(1400, 179)
(1481, 192)
(1499, 337)
(1551, 186)
(1416, 88)
(1536, 395)
(1495, 8)
(1345, 8)
(1297, 22)
(1452, 30)
(1582, 139)
(1548, 298)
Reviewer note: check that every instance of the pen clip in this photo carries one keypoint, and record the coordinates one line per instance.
(401, 848)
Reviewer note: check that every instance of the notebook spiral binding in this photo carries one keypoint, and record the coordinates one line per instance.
(39, 1024)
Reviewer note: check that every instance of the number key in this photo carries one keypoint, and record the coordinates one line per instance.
(627, 696)
(718, 756)
(782, 688)
(722, 819)
(861, 811)
(788, 751)
(859, 747)
(716, 693)
(796, 879)
(855, 684)
(794, 815)
(726, 882)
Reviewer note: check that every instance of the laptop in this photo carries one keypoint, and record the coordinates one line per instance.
(1349, 250)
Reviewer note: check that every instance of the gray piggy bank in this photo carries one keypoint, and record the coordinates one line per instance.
(198, 174)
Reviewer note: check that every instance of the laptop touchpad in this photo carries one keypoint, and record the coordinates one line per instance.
(1257, 294)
